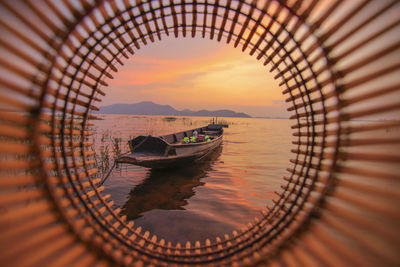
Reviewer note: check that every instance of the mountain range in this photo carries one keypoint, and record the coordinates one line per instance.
(150, 108)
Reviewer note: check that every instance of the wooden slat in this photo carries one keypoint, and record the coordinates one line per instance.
(24, 212)
(22, 196)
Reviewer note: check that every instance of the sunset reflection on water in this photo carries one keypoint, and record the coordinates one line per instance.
(207, 199)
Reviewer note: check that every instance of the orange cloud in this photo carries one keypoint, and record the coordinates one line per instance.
(215, 75)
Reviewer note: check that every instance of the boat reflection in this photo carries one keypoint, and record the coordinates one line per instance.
(168, 189)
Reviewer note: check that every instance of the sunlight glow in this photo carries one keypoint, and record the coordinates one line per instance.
(197, 74)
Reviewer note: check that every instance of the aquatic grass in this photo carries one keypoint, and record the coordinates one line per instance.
(223, 121)
(116, 142)
(108, 151)
(169, 119)
(104, 153)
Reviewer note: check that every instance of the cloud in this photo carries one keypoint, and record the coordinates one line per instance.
(186, 80)
(196, 74)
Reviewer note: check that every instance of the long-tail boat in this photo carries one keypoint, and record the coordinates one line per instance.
(173, 150)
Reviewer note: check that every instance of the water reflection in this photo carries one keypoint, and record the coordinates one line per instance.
(168, 189)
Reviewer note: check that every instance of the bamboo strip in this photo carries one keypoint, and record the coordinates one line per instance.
(368, 205)
(65, 120)
(24, 212)
(60, 166)
(310, 153)
(301, 18)
(310, 124)
(234, 22)
(377, 190)
(126, 28)
(33, 243)
(224, 20)
(257, 25)
(364, 243)
(370, 173)
(15, 118)
(30, 25)
(16, 180)
(163, 18)
(359, 220)
(112, 46)
(175, 25)
(373, 126)
(25, 39)
(367, 40)
(267, 30)
(326, 253)
(245, 24)
(22, 229)
(194, 20)
(370, 59)
(317, 133)
(18, 197)
(24, 74)
(154, 20)
(14, 148)
(282, 27)
(69, 257)
(322, 18)
(319, 167)
(305, 256)
(203, 33)
(213, 21)
(59, 15)
(313, 89)
(371, 95)
(136, 25)
(27, 58)
(72, 144)
(16, 164)
(43, 17)
(84, 72)
(370, 141)
(71, 132)
(146, 21)
(315, 144)
(369, 157)
(73, 10)
(121, 36)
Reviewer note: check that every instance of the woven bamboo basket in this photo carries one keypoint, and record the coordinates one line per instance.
(337, 63)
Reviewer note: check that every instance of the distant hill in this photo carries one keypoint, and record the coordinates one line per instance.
(150, 108)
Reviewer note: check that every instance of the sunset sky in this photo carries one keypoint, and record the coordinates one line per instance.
(197, 74)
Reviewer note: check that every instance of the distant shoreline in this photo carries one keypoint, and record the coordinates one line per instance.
(151, 108)
(186, 116)
(272, 118)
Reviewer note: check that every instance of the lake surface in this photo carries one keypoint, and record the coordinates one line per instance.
(225, 191)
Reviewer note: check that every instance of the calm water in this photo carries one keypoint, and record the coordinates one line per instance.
(222, 193)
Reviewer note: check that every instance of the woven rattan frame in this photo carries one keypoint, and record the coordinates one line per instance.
(338, 65)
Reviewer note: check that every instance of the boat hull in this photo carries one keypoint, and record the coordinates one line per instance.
(157, 152)
(160, 162)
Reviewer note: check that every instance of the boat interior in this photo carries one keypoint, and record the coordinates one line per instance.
(177, 138)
